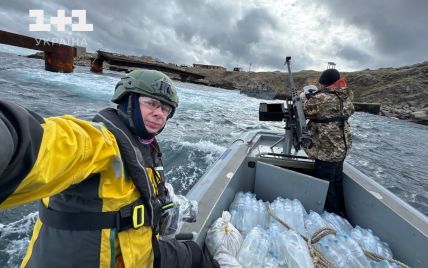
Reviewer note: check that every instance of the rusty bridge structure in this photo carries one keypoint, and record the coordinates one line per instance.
(58, 57)
(124, 61)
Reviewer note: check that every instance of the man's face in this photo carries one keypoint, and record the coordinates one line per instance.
(154, 114)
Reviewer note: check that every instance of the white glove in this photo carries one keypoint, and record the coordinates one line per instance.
(310, 89)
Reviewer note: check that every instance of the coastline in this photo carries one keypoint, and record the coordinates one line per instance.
(401, 92)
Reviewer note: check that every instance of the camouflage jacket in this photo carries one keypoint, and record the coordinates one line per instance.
(329, 143)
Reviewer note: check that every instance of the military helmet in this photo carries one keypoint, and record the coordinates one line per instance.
(329, 77)
(150, 83)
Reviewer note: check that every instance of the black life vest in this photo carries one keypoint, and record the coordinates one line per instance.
(148, 207)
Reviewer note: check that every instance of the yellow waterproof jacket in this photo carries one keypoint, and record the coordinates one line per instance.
(74, 166)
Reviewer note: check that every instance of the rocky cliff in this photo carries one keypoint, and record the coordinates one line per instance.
(402, 92)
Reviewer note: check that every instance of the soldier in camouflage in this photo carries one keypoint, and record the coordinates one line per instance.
(328, 110)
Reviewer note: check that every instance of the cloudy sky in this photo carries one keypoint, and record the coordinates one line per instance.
(356, 34)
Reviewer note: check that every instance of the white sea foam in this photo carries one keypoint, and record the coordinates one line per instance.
(206, 122)
(17, 235)
(204, 146)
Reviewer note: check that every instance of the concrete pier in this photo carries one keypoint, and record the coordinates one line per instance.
(373, 108)
(97, 65)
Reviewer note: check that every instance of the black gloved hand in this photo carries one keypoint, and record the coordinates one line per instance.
(208, 256)
(201, 258)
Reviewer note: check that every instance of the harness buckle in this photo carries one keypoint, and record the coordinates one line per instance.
(138, 216)
(130, 216)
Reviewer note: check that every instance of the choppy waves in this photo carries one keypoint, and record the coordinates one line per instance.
(15, 237)
(207, 121)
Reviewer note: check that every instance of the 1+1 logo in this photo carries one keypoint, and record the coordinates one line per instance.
(60, 21)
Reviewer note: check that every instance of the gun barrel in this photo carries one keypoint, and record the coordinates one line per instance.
(290, 77)
(298, 115)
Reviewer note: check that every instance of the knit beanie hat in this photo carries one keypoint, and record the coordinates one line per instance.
(329, 76)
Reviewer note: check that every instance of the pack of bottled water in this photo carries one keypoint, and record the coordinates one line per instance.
(383, 264)
(248, 212)
(370, 242)
(342, 251)
(268, 243)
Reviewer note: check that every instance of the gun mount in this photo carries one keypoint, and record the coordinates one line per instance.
(296, 132)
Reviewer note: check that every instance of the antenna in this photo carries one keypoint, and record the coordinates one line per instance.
(331, 65)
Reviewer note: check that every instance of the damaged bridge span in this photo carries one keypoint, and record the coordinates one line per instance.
(124, 61)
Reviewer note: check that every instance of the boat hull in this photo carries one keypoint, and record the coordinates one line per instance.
(245, 167)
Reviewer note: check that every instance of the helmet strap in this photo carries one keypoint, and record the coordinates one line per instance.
(125, 112)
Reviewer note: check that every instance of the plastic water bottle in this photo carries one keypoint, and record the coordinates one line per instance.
(334, 221)
(369, 242)
(262, 215)
(287, 213)
(283, 209)
(239, 197)
(270, 262)
(384, 250)
(385, 264)
(246, 220)
(296, 250)
(254, 249)
(299, 214)
(331, 255)
(236, 210)
(247, 214)
(236, 213)
(350, 260)
(356, 258)
(243, 217)
(280, 208)
(276, 245)
(345, 226)
(313, 223)
(357, 233)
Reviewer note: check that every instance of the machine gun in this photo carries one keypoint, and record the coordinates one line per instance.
(296, 132)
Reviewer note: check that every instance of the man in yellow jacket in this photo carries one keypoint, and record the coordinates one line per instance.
(101, 183)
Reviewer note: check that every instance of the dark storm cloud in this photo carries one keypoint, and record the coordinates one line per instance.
(219, 27)
(399, 28)
(354, 54)
(231, 33)
(168, 30)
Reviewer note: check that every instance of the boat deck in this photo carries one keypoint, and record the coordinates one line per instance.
(245, 167)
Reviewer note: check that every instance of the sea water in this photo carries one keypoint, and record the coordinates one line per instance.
(207, 121)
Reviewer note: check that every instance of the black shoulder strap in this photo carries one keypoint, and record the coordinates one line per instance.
(121, 220)
(142, 212)
(340, 118)
(130, 153)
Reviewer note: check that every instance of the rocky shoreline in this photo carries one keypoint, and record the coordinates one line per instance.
(401, 92)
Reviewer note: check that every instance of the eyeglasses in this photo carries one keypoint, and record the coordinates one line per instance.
(153, 104)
